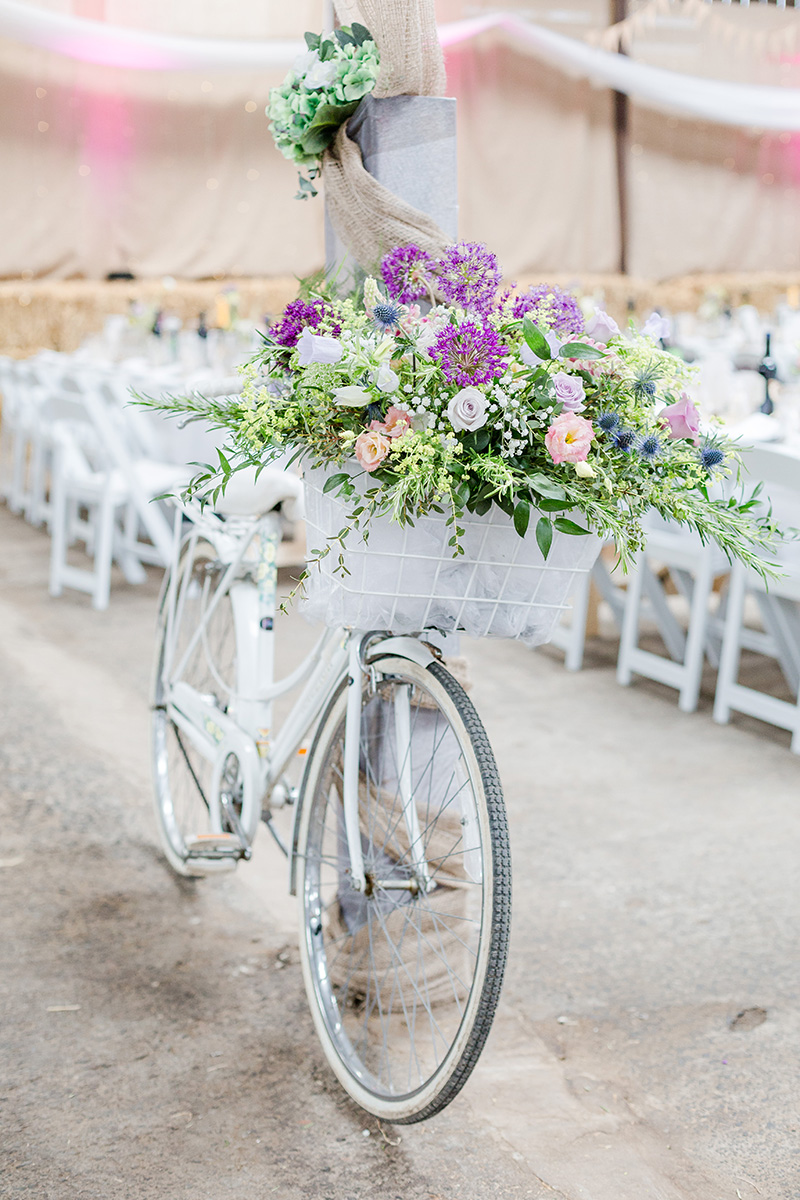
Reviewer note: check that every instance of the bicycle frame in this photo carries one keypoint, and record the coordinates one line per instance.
(247, 553)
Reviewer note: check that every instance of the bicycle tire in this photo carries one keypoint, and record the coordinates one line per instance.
(397, 1057)
(182, 776)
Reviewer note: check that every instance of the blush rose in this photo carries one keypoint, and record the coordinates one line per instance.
(371, 448)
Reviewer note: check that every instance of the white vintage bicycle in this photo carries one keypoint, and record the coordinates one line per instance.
(399, 855)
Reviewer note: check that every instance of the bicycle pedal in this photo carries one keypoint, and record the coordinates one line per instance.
(221, 851)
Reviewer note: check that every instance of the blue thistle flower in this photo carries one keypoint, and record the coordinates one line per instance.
(387, 315)
(649, 447)
(644, 383)
(711, 456)
(624, 439)
(607, 421)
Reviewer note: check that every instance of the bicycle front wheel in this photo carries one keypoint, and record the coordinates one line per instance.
(403, 978)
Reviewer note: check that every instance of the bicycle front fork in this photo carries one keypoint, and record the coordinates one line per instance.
(401, 731)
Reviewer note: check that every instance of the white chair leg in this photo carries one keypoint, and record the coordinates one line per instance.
(795, 744)
(126, 554)
(35, 499)
(16, 497)
(696, 639)
(573, 660)
(629, 636)
(59, 533)
(103, 553)
(731, 644)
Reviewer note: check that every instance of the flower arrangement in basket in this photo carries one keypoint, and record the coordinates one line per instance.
(458, 426)
(323, 89)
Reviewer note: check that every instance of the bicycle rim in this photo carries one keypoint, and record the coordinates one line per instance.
(183, 776)
(403, 980)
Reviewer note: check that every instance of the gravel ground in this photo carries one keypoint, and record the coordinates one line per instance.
(154, 1034)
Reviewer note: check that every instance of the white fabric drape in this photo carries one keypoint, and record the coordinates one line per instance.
(750, 105)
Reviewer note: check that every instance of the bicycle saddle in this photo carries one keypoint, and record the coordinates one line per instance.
(248, 496)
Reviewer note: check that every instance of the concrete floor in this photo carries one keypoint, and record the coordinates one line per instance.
(656, 898)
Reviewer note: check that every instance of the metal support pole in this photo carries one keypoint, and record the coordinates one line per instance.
(619, 10)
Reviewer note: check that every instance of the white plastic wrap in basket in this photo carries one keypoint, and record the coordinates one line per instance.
(405, 579)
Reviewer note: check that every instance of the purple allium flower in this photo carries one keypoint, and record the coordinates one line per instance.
(469, 275)
(552, 307)
(470, 353)
(407, 273)
(298, 316)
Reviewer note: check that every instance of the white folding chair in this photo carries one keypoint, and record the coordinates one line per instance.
(778, 603)
(98, 468)
(571, 638)
(693, 567)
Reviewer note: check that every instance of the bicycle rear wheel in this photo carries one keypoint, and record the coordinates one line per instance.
(183, 777)
(403, 979)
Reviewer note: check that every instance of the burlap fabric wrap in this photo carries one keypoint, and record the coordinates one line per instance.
(370, 946)
(369, 218)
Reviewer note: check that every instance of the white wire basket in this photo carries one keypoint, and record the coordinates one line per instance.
(405, 578)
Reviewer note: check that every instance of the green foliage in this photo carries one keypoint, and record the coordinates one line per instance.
(431, 464)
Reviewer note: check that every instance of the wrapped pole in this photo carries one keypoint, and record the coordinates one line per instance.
(390, 176)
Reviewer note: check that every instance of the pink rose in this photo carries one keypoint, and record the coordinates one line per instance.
(569, 437)
(371, 448)
(394, 424)
(683, 419)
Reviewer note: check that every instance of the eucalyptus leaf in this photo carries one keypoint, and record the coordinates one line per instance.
(535, 338)
(545, 505)
(334, 482)
(360, 33)
(312, 40)
(546, 487)
(461, 493)
(579, 350)
(544, 535)
(564, 525)
(522, 515)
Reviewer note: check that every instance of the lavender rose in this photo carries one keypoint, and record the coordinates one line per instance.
(601, 326)
(570, 391)
(467, 410)
(657, 326)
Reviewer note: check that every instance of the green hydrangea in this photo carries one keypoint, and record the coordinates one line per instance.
(322, 90)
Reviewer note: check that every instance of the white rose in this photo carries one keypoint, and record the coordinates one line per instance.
(467, 409)
(387, 380)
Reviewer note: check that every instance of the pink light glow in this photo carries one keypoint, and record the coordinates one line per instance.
(113, 53)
